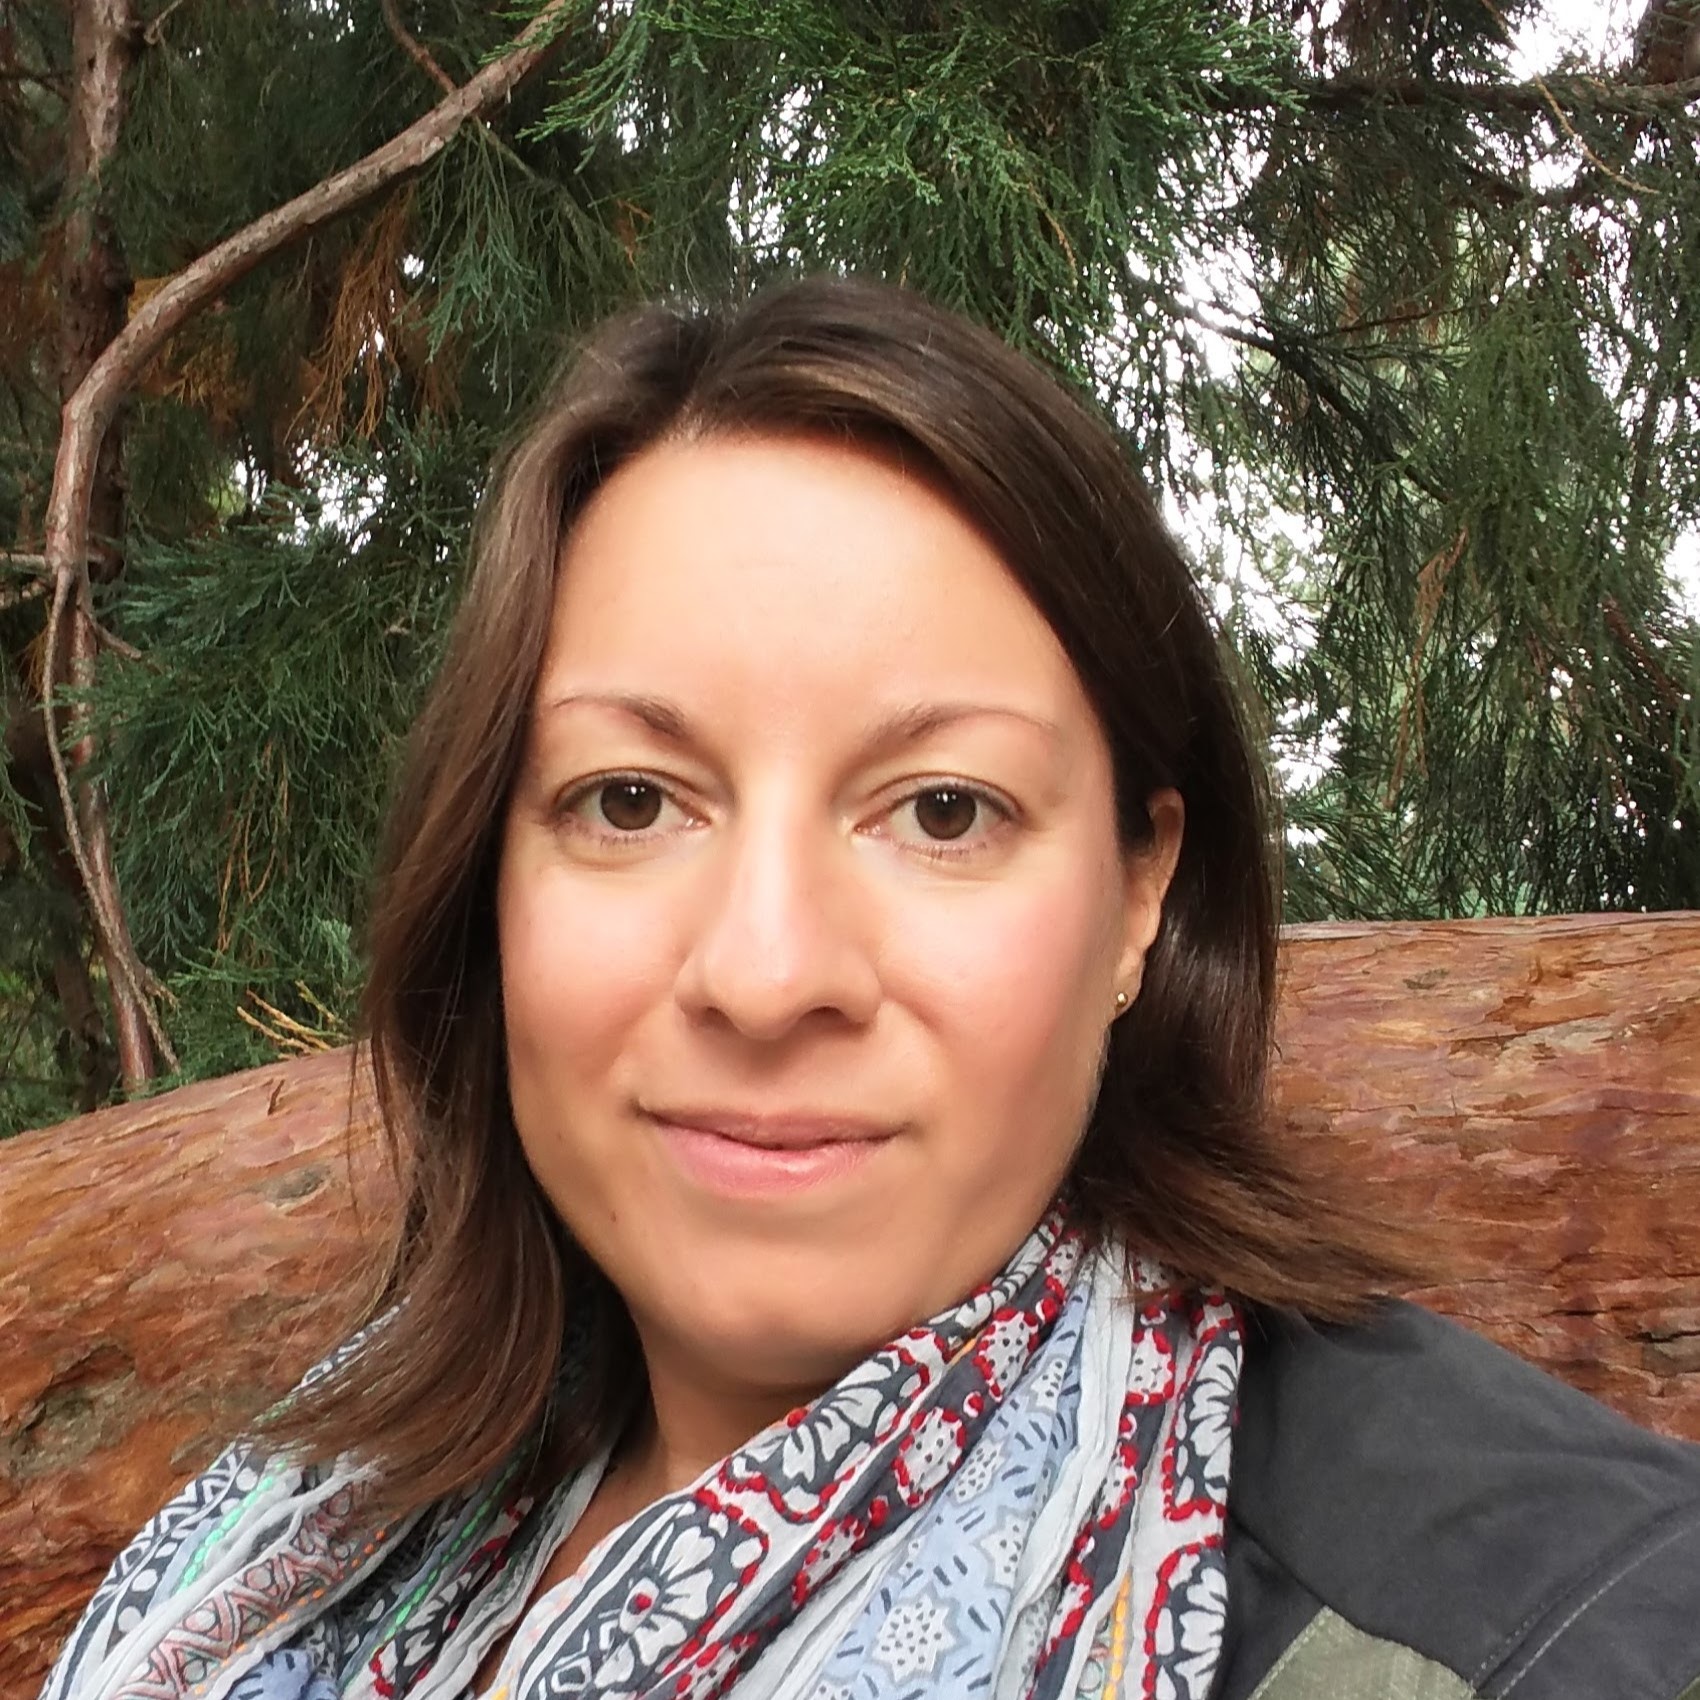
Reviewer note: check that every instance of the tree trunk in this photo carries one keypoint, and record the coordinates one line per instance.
(1667, 42)
(1528, 1091)
(93, 404)
(1526, 1094)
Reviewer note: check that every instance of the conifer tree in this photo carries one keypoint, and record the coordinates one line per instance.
(1405, 338)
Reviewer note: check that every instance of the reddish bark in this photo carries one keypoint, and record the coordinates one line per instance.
(1528, 1093)
(168, 1265)
(1525, 1094)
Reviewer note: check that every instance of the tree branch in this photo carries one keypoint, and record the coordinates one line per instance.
(111, 640)
(37, 564)
(422, 56)
(1667, 42)
(1590, 95)
(153, 32)
(1563, 118)
(53, 81)
(93, 288)
(89, 411)
(414, 48)
(1293, 353)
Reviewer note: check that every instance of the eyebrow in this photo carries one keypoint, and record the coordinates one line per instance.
(902, 726)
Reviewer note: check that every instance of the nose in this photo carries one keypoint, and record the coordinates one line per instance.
(780, 928)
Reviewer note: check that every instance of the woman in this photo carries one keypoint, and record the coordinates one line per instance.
(820, 995)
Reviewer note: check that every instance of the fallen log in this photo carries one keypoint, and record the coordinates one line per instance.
(167, 1267)
(1526, 1091)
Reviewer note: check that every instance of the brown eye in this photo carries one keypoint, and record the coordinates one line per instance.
(945, 813)
(629, 804)
(621, 812)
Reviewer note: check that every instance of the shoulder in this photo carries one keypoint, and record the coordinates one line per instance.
(1404, 1482)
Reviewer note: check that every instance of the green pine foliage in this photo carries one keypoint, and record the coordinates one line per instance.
(250, 752)
(1407, 343)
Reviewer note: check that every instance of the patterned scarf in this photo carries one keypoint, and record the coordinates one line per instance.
(1023, 1498)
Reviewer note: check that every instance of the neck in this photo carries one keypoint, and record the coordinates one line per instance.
(692, 1419)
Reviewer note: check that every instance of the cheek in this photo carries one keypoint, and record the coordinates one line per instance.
(579, 972)
(1011, 987)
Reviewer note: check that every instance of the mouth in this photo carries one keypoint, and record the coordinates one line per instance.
(745, 1156)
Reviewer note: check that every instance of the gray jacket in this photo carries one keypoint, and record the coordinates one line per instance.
(1415, 1514)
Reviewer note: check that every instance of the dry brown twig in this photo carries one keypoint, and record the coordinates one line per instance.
(1564, 123)
(292, 1037)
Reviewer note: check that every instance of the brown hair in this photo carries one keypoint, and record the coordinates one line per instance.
(1178, 1157)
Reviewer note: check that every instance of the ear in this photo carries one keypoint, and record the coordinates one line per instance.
(1147, 873)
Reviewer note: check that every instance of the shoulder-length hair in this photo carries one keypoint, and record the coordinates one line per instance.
(1178, 1158)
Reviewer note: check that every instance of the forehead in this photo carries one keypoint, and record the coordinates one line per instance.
(775, 572)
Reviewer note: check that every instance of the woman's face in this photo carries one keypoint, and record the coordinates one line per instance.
(811, 909)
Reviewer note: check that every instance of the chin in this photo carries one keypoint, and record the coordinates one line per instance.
(774, 1324)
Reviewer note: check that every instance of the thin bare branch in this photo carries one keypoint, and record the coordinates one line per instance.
(53, 81)
(422, 56)
(91, 296)
(153, 32)
(1563, 117)
(414, 48)
(25, 562)
(111, 640)
(89, 411)
(133, 990)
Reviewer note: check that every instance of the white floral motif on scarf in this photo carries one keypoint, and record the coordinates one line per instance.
(971, 1507)
(1186, 1634)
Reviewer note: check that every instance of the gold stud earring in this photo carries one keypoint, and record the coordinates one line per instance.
(1121, 1002)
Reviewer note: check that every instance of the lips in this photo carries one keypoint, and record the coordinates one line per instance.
(777, 1132)
(743, 1156)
